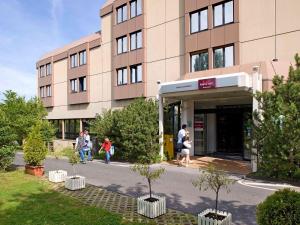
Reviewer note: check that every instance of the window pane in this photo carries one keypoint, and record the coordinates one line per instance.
(194, 22)
(124, 76)
(125, 44)
(193, 63)
(229, 12)
(124, 12)
(139, 40)
(199, 62)
(139, 73)
(133, 75)
(218, 15)
(76, 60)
(203, 20)
(76, 85)
(218, 58)
(139, 7)
(84, 83)
(119, 77)
(229, 56)
(120, 46)
(133, 41)
(119, 20)
(133, 9)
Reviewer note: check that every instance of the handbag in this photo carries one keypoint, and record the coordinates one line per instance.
(112, 150)
(179, 147)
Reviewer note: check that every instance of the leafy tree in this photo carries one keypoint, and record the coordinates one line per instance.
(74, 160)
(35, 150)
(277, 125)
(7, 155)
(215, 180)
(150, 174)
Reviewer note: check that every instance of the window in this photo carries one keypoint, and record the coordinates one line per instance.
(48, 69)
(122, 44)
(74, 85)
(82, 58)
(223, 57)
(199, 61)
(42, 71)
(199, 21)
(74, 61)
(122, 14)
(48, 91)
(136, 40)
(135, 8)
(122, 76)
(136, 74)
(42, 92)
(82, 84)
(223, 13)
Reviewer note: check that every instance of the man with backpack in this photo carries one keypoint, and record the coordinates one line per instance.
(180, 139)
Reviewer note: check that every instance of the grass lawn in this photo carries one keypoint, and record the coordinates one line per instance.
(25, 199)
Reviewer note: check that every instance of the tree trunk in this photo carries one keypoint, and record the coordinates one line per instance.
(150, 190)
(216, 207)
(74, 171)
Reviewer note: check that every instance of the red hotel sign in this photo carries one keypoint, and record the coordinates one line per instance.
(207, 83)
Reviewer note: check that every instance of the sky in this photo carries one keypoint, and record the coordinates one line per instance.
(31, 28)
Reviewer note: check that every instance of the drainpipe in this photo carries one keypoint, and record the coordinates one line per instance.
(256, 87)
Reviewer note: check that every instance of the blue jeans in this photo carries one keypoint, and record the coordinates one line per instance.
(82, 154)
(107, 154)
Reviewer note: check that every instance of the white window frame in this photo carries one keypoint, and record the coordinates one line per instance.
(82, 58)
(122, 76)
(223, 15)
(199, 19)
(136, 40)
(122, 46)
(122, 13)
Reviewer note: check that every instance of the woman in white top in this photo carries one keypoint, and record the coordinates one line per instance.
(185, 152)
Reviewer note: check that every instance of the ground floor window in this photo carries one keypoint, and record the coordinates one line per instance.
(72, 128)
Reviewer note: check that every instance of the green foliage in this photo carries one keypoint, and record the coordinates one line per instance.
(21, 115)
(133, 130)
(277, 126)
(150, 174)
(7, 155)
(214, 180)
(35, 150)
(282, 207)
(74, 160)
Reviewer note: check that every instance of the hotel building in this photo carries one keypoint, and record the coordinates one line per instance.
(204, 58)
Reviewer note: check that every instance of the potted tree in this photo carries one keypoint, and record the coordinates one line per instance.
(35, 152)
(214, 180)
(74, 182)
(150, 205)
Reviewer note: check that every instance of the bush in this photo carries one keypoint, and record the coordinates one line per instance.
(283, 207)
(296, 175)
(35, 150)
(7, 155)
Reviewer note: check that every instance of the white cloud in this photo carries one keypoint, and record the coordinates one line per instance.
(56, 12)
(22, 83)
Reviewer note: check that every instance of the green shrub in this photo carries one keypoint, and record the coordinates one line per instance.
(35, 150)
(282, 207)
(7, 155)
(296, 175)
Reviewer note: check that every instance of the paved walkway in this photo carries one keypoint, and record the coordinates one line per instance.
(124, 205)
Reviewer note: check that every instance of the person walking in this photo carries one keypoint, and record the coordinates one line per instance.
(179, 146)
(106, 145)
(185, 152)
(88, 147)
(79, 146)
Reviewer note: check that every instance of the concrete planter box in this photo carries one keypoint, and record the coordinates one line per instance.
(75, 183)
(57, 176)
(202, 220)
(151, 209)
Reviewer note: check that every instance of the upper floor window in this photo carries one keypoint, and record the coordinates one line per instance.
(199, 21)
(82, 84)
(122, 44)
(136, 74)
(223, 13)
(74, 60)
(48, 69)
(122, 76)
(122, 14)
(135, 8)
(199, 61)
(42, 71)
(48, 91)
(42, 92)
(82, 58)
(223, 56)
(136, 40)
(74, 85)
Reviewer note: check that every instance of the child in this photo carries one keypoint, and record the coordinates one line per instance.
(106, 145)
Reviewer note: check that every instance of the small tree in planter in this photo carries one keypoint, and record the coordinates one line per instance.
(150, 205)
(35, 152)
(214, 180)
(74, 182)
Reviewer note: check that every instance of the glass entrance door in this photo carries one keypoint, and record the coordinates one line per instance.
(200, 122)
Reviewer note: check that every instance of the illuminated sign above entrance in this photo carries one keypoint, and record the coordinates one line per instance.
(207, 83)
